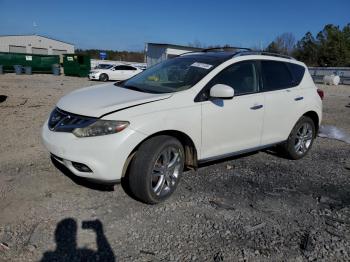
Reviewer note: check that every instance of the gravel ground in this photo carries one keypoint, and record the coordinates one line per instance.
(257, 207)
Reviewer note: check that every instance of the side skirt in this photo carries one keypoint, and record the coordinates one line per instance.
(241, 152)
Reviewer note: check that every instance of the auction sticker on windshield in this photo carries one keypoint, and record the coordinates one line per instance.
(202, 65)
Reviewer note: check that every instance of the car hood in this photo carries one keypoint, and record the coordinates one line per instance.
(99, 100)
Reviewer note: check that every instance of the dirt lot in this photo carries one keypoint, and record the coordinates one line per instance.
(257, 207)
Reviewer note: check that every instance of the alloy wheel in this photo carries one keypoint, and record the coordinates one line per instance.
(166, 171)
(303, 138)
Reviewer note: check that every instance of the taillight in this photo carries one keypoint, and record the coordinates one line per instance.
(320, 93)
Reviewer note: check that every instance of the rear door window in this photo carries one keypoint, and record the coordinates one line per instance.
(124, 67)
(275, 75)
(118, 68)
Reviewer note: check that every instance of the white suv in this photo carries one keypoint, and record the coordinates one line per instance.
(182, 112)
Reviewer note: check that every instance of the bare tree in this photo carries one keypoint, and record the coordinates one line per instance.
(196, 43)
(283, 44)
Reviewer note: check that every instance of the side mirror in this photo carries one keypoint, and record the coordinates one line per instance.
(222, 91)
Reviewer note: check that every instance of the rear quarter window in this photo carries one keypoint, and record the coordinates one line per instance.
(297, 71)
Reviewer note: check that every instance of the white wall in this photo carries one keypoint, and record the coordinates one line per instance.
(35, 41)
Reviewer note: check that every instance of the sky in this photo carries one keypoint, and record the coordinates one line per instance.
(128, 25)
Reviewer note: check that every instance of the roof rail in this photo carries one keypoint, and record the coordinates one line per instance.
(263, 53)
(225, 48)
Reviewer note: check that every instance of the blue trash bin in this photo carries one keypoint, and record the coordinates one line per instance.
(28, 70)
(56, 70)
(18, 69)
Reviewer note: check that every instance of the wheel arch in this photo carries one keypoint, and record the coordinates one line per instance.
(191, 157)
(315, 118)
(104, 73)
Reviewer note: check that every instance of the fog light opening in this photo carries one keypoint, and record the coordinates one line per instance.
(81, 167)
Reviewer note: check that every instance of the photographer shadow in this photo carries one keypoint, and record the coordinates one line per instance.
(66, 243)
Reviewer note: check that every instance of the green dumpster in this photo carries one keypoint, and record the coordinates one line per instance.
(76, 65)
(38, 63)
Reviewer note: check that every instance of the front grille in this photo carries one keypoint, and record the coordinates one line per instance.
(62, 121)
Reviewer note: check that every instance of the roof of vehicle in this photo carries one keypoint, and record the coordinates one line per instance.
(223, 55)
(231, 52)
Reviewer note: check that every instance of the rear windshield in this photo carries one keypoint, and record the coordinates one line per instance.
(173, 75)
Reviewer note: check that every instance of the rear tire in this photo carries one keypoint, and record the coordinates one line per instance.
(103, 77)
(156, 169)
(300, 139)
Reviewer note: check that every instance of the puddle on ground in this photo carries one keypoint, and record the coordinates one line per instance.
(334, 132)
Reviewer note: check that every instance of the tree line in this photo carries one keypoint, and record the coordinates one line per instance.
(132, 56)
(330, 47)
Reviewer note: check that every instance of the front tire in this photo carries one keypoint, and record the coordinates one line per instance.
(156, 169)
(103, 77)
(300, 139)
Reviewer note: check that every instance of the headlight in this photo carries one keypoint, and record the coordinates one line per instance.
(100, 128)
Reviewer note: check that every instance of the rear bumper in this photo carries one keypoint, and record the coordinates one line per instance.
(105, 156)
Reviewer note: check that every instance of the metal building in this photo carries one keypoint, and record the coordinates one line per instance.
(156, 52)
(34, 44)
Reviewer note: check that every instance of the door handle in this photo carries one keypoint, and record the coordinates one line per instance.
(256, 107)
(298, 98)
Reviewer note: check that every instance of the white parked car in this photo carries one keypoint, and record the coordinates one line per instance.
(192, 109)
(117, 72)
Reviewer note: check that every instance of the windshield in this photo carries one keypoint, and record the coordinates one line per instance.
(104, 66)
(173, 75)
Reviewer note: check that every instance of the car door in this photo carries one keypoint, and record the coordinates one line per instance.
(233, 125)
(116, 73)
(123, 72)
(129, 71)
(281, 99)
